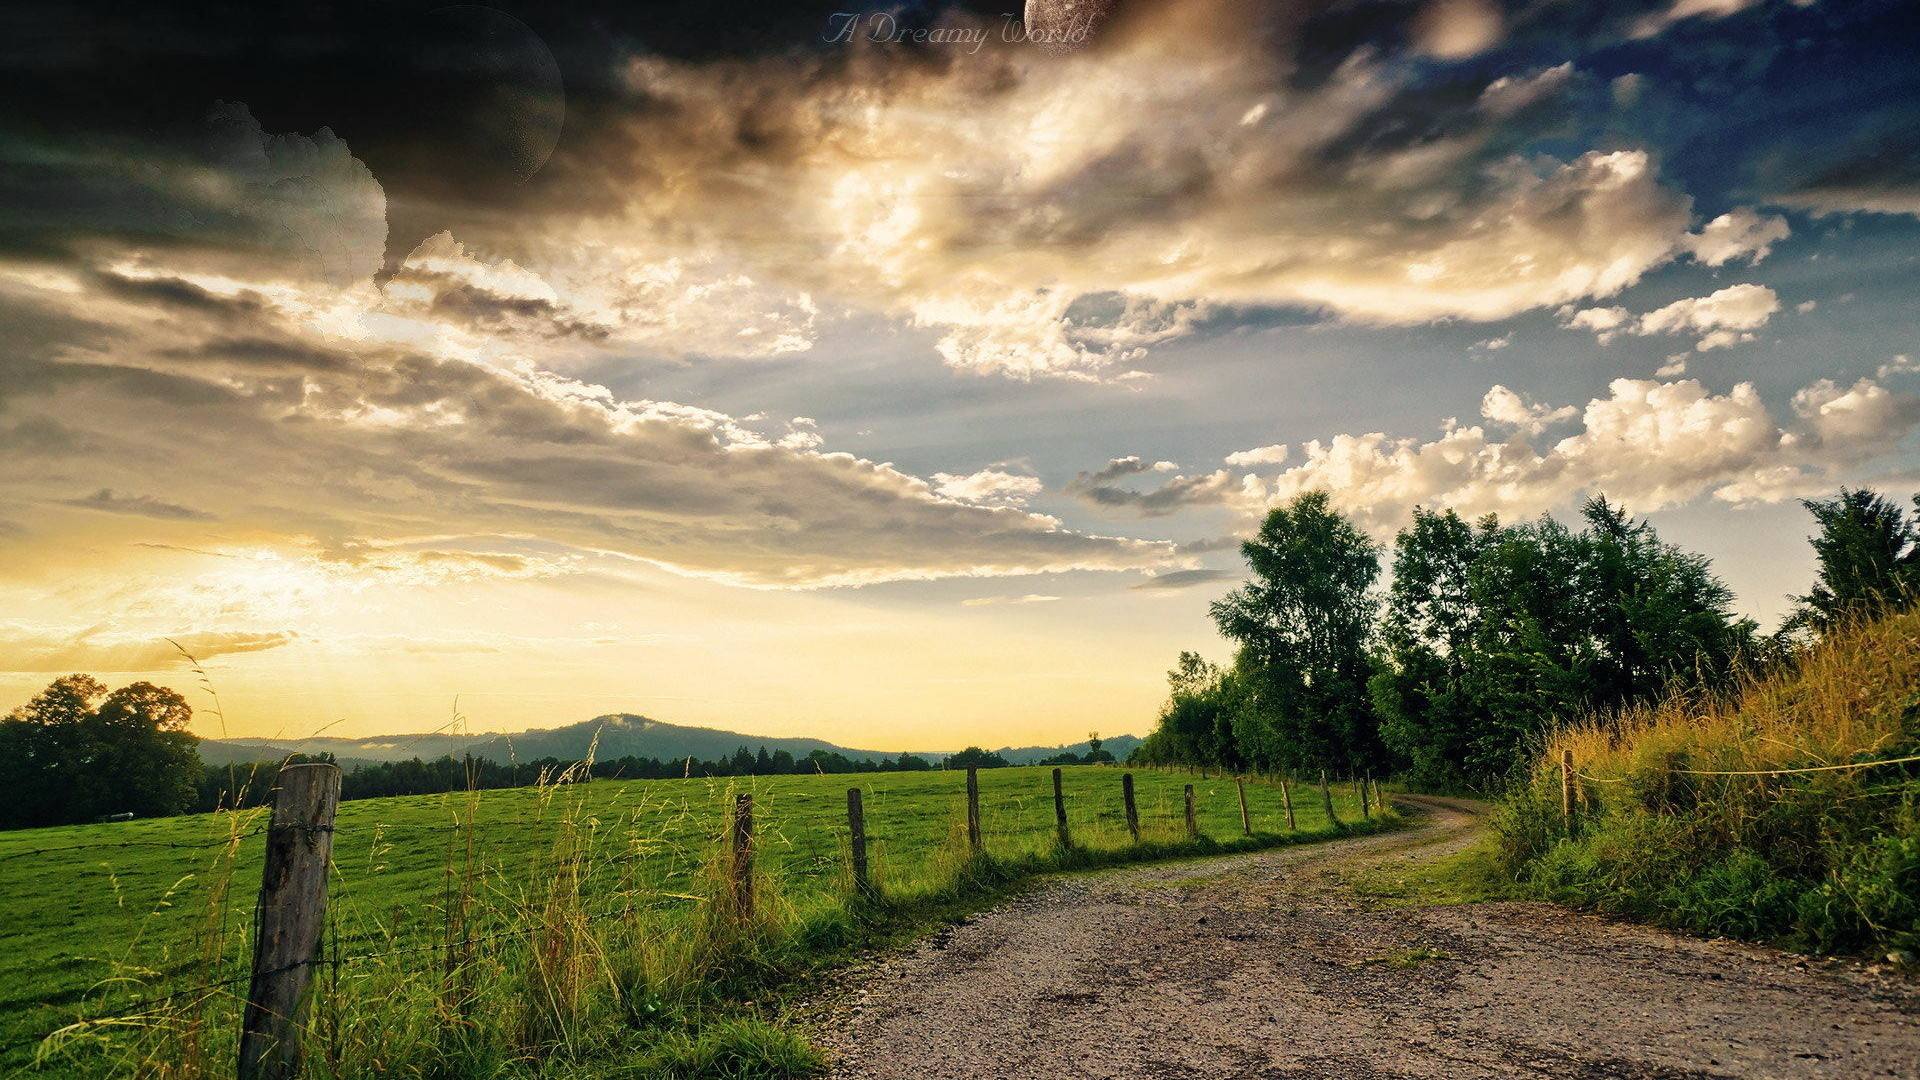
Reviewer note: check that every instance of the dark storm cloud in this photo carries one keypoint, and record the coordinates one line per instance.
(110, 502)
(1098, 488)
(1183, 579)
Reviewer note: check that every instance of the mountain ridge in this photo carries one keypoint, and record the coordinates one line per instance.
(617, 735)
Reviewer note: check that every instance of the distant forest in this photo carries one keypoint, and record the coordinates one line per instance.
(1489, 635)
(78, 753)
(218, 784)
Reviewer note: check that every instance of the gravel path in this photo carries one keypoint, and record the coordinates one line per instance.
(1268, 965)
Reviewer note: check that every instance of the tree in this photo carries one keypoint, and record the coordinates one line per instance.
(976, 758)
(1492, 633)
(76, 752)
(1868, 554)
(1303, 624)
(1427, 716)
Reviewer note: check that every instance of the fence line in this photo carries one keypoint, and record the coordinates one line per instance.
(263, 972)
(1849, 766)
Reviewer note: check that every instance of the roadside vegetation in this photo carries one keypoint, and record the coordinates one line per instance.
(1746, 814)
(576, 929)
(1725, 781)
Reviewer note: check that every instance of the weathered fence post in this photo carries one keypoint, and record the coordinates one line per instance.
(1193, 823)
(1133, 812)
(973, 808)
(1326, 796)
(1286, 800)
(742, 869)
(292, 913)
(1060, 811)
(1566, 786)
(857, 841)
(1379, 797)
(1366, 808)
(1246, 821)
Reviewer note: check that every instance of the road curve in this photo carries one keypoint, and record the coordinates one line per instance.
(1268, 965)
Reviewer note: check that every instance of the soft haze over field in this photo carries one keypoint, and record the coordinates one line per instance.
(675, 358)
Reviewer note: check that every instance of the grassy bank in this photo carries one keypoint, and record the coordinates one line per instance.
(1707, 816)
(576, 930)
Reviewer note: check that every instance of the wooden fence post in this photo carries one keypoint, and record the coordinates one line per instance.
(1133, 812)
(743, 858)
(1286, 801)
(973, 808)
(1366, 808)
(1060, 811)
(1246, 821)
(1193, 823)
(1326, 796)
(291, 915)
(1566, 787)
(857, 841)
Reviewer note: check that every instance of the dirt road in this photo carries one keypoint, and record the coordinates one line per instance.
(1269, 965)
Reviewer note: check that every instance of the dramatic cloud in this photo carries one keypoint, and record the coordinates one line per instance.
(357, 415)
(1649, 444)
(1058, 216)
(239, 198)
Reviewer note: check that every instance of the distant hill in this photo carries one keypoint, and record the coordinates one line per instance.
(620, 735)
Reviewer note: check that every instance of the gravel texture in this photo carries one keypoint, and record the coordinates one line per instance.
(1269, 965)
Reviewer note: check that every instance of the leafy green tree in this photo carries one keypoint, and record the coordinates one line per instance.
(1428, 717)
(1492, 633)
(1868, 554)
(77, 752)
(1303, 623)
(974, 757)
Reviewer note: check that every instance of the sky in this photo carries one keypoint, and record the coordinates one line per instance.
(902, 376)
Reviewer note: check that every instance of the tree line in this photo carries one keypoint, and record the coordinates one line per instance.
(1487, 634)
(78, 752)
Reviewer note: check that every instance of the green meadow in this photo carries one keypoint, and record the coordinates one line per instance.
(564, 930)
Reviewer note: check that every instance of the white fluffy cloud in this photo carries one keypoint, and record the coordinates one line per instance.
(1259, 455)
(1650, 444)
(1726, 317)
(1503, 406)
(1738, 234)
(989, 486)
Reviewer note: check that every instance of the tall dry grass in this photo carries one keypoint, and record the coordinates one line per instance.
(1745, 814)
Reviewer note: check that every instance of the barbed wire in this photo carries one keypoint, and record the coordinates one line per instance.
(1848, 766)
(222, 842)
(139, 1008)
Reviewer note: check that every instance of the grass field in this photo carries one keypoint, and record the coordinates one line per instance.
(580, 916)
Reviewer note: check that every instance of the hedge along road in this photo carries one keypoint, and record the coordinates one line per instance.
(1269, 964)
